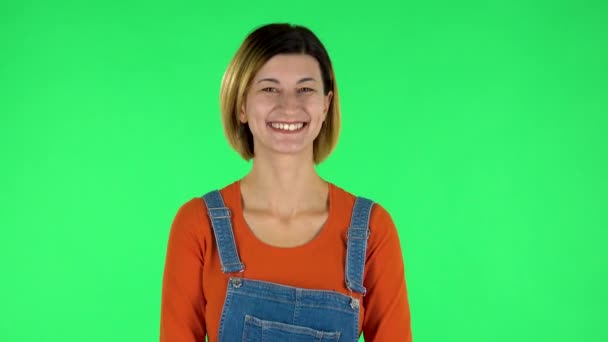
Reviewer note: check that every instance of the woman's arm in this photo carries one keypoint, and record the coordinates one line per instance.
(182, 307)
(387, 312)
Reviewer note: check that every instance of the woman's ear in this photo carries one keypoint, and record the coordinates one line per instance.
(242, 116)
(327, 101)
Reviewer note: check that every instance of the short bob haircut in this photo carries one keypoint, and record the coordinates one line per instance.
(257, 48)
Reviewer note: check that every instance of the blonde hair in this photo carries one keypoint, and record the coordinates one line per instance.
(259, 46)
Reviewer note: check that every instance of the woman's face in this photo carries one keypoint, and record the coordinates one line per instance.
(285, 105)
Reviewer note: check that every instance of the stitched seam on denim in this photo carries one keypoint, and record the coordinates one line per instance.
(356, 326)
(356, 247)
(346, 271)
(291, 303)
(358, 255)
(353, 245)
(333, 302)
(236, 252)
(211, 198)
(225, 309)
(248, 324)
(230, 250)
(232, 264)
(296, 310)
(327, 307)
(252, 284)
(245, 329)
(290, 328)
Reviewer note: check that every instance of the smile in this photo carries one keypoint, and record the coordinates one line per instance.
(287, 127)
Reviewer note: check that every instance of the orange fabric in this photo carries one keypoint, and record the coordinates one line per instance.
(194, 286)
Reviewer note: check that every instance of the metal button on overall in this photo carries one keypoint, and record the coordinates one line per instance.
(354, 303)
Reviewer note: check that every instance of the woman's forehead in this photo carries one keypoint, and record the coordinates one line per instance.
(290, 66)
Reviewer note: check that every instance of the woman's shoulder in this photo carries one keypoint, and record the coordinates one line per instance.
(380, 218)
(191, 214)
(383, 243)
(189, 217)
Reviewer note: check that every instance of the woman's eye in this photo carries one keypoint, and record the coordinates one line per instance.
(269, 90)
(306, 90)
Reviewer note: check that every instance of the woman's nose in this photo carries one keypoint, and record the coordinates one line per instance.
(289, 100)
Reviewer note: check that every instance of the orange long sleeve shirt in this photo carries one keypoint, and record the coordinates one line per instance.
(194, 286)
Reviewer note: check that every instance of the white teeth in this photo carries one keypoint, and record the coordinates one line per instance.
(287, 127)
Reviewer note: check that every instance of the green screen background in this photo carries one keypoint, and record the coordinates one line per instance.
(480, 125)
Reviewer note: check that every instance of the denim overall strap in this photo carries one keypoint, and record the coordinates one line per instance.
(356, 244)
(219, 215)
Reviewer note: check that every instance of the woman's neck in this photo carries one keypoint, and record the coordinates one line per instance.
(283, 186)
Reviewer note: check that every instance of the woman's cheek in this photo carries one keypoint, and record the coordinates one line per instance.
(314, 104)
(261, 107)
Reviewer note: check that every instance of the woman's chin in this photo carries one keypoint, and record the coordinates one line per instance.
(288, 151)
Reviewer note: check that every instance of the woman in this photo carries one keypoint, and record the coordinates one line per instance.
(281, 254)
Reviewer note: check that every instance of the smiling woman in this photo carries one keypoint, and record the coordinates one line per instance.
(286, 106)
(281, 68)
(281, 254)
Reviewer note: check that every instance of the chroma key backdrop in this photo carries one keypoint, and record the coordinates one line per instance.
(481, 126)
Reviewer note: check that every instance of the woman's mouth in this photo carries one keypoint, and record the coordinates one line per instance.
(288, 127)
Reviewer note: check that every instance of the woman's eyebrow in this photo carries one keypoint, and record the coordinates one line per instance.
(274, 80)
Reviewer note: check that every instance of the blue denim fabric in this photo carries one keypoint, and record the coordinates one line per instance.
(357, 235)
(258, 311)
(222, 229)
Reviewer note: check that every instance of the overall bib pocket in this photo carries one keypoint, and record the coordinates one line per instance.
(258, 330)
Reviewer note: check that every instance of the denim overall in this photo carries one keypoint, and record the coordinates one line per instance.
(257, 310)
